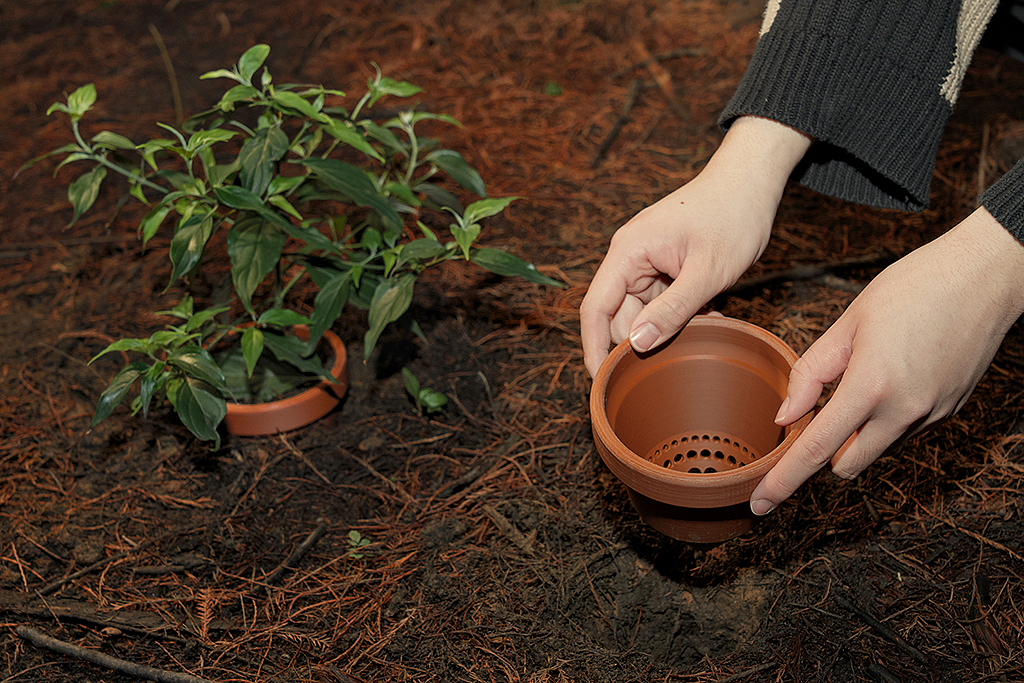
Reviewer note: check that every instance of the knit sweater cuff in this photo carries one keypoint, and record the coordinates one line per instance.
(1005, 201)
(875, 112)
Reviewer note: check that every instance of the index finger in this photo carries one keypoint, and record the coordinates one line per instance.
(842, 417)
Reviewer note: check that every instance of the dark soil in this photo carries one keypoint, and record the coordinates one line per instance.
(500, 548)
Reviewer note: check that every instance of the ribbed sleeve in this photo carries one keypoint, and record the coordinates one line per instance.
(865, 79)
(1005, 201)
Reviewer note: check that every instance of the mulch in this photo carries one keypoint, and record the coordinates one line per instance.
(498, 546)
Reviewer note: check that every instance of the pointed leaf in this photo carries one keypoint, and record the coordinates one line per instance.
(117, 390)
(290, 100)
(346, 133)
(259, 156)
(465, 237)
(355, 184)
(503, 263)
(81, 100)
(254, 246)
(188, 244)
(252, 348)
(200, 411)
(252, 60)
(112, 140)
(197, 362)
(82, 192)
(485, 208)
(390, 300)
(282, 317)
(328, 305)
(456, 166)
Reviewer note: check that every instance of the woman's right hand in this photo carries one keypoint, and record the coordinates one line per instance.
(675, 255)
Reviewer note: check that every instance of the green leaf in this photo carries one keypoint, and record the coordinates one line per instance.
(199, 319)
(465, 237)
(182, 309)
(195, 361)
(150, 384)
(252, 347)
(188, 243)
(388, 86)
(140, 345)
(206, 138)
(402, 192)
(290, 100)
(485, 208)
(282, 185)
(254, 247)
(432, 400)
(330, 301)
(252, 60)
(503, 263)
(355, 184)
(390, 300)
(200, 411)
(258, 157)
(117, 390)
(218, 73)
(81, 101)
(412, 385)
(456, 166)
(151, 223)
(282, 317)
(82, 192)
(288, 348)
(112, 140)
(281, 203)
(418, 250)
(342, 130)
(385, 137)
(239, 198)
(234, 95)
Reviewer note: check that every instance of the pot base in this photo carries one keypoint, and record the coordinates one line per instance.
(702, 453)
(700, 526)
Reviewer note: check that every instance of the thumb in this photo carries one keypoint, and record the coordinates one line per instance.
(670, 310)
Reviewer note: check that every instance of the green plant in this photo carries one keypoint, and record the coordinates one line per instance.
(356, 542)
(295, 188)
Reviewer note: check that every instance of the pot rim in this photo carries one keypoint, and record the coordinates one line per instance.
(315, 391)
(638, 469)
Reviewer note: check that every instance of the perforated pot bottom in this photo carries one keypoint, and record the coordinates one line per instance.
(702, 453)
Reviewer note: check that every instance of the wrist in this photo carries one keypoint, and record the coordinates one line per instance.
(764, 148)
(986, 250)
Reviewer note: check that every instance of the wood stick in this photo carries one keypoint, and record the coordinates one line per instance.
(613, 134)
(45, 642)
(882, 629)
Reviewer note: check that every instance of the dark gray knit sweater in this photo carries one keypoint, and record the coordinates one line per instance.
(873, 82)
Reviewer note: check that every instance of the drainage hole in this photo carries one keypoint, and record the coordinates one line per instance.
(679, 456)
(719, 454)
(691, 454)
(732, 459)
(668, 463)
(710, 470)
(695, 470)
(705, 453)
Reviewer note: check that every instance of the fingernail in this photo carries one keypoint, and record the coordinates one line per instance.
(761, 506)
(782, 411)
(644, 337)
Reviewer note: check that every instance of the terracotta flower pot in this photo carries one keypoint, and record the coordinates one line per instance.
(296, 411)
(689, 428)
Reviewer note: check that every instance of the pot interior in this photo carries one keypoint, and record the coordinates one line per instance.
(705, 402)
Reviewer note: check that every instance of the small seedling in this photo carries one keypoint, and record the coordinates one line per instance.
(356, 542)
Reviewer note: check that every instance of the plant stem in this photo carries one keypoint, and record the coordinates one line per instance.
(111, 165)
